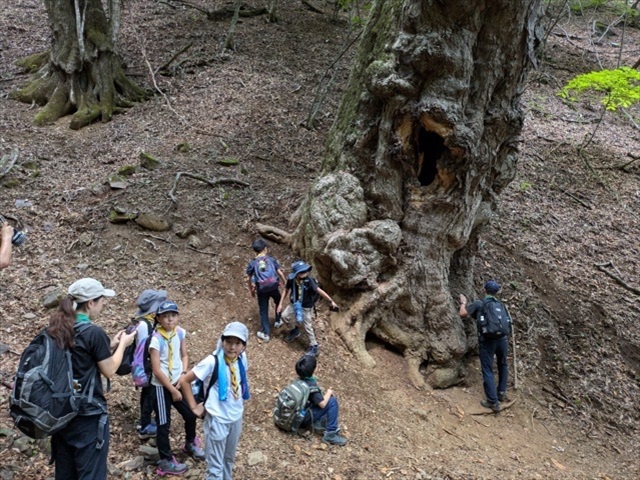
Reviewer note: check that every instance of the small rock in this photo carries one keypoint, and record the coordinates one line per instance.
(29, 316)
(121, 217)
(52, 298)
(118, 185)
(86, 238)
(148, 161)
(183, 147)
(82, 266)
(183, 231)
(127, 170)
(228, 162)
(149, 453)
(254, 458)
(6, 432)
(133, 464)
(195, 242)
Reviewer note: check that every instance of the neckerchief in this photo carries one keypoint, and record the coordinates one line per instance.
(232, 373)
(299, 290)
(82, 318)
(168, 336)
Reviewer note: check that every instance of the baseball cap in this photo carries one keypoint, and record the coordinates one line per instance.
(149, 301)
(236, 329)
(87, 289)
(167, 306)
(492, 287)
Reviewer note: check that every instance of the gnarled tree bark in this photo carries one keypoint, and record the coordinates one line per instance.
(83, 74)
(424, 142)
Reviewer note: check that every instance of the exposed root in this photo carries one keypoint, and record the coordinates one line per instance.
(274, 234)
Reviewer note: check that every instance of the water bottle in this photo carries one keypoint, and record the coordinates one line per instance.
(297, 307)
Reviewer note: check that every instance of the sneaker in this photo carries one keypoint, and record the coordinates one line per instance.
(319, 427)
(502, 397)
(263, 336)
(292, 335)
(493, 406)
(278, 324)
(148, 431)
(194, 449)
(171, 467)
(313, 350)
(334, 439)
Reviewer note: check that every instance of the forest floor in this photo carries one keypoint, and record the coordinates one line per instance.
(570, 216)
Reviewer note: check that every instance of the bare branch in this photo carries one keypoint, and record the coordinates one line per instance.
(603, 268)
(212, 182)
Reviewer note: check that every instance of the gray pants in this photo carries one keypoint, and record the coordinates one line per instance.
(221, 443)
(289, 317)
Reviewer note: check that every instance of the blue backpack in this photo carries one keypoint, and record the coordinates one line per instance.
(265, 275)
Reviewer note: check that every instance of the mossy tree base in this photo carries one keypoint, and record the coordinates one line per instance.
(80, 76)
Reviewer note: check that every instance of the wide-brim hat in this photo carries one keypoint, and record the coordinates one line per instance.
(149, 301)
(299, 267)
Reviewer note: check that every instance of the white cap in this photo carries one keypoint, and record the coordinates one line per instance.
(236, 329)
(87, 289)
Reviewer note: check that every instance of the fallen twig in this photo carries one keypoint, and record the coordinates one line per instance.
(581, 202)
(174, 56)
(212, 182)
(155, 247)
(202, 251)
(603, 268)
(311, 7)
(157, 238)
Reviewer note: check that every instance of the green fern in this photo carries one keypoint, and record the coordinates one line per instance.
(620, 86)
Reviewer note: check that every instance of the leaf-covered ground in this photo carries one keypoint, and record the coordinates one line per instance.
(570, 215)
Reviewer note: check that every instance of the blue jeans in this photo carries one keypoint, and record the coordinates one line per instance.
(331, 410)
(499, 348)
(263, 305)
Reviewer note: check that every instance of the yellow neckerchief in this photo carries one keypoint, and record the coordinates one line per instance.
(232, 373)
(299, 287)
(168, 336)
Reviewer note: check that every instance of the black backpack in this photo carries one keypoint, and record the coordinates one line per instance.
(44, 400)
(493, 321)
(200, 394)
(127, 355)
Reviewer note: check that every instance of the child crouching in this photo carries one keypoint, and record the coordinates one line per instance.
(225, 387)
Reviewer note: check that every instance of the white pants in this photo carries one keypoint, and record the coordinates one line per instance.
(221, 443)
(289, 317)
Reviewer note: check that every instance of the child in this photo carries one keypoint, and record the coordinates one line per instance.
(223, 404)
(323, 407)
(148, 303)
(303, 291)
(263, 276)
(169, 361)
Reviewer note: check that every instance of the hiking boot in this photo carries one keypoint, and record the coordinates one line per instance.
(171, 467)
(334, 439)
(148, 431)
(263, 336)
(493, 406)
(194, 449)
(292, 335)
(278, 324)
(320, 427)
(502, 397)
(313, 350)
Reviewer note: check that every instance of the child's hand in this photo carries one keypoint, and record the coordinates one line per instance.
(279, 309)
(330, 392)
(463, 299)
(176, 395)
(198, 410)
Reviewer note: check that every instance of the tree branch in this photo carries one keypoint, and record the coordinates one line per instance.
(212, 182)
(603, 268)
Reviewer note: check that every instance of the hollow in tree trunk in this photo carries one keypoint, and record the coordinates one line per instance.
(83, 74)
(424, 142)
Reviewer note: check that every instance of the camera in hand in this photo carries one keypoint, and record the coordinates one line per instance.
(131, 328)
(334, 309)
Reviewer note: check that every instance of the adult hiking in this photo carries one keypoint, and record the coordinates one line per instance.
(80, 449)
(263, 279)
(494, 327)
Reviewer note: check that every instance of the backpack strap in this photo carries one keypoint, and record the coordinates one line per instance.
(214, 378)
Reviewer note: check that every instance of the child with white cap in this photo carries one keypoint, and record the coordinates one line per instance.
(224, 377)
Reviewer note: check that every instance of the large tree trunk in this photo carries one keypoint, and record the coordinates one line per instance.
(424, 142)
(83, 73)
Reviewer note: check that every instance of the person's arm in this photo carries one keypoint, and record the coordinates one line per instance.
(326, 296)
(108, 366)
(463, 307)
(185, 360)
(286, 293)
(282, 277)
(187, 394)
(325, 399)
(154, 353)
(6, 245)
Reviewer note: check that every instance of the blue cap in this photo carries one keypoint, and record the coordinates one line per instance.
(299, 267)
(167, 306)
(492, 287)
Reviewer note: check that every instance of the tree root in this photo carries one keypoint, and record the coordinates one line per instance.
(274, 234)
(211, 182)
(603, 268)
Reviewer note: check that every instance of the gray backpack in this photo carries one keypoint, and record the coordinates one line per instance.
(43, 400)
(291, 406)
